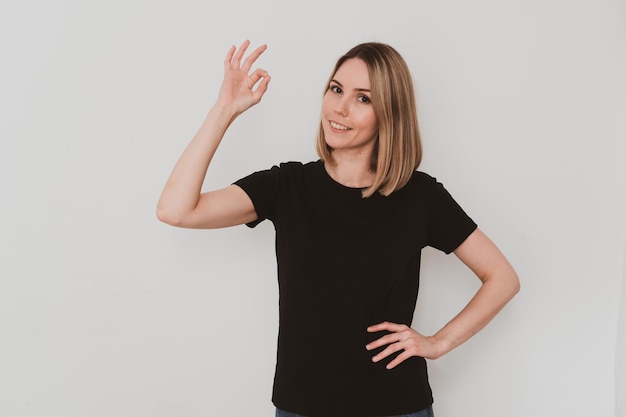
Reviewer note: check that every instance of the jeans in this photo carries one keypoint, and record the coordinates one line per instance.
(427, 412)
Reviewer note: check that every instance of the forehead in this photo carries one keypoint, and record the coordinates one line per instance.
(353, 73)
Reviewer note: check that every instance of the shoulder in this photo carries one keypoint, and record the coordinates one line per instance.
(283, 174)
(422, 176)
(297, 166)
(292, 170)
(425, 188)
(422, 181)
(283, 169)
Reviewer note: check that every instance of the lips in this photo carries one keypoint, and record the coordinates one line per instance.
(338, 126)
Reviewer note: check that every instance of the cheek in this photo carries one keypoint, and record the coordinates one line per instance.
(367, 120)
(327, 104)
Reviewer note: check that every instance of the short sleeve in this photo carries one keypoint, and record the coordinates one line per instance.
(448, 224)
(262, 188)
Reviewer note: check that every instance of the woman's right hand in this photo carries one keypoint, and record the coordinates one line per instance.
(238, 92)
(182, 202)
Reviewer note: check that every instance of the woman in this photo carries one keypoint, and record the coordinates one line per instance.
(349, 231)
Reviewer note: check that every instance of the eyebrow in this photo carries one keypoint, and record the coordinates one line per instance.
(356, 89)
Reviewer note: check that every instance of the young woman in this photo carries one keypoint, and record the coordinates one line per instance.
(349, 231)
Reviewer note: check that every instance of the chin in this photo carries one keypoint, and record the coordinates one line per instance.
(334, 144)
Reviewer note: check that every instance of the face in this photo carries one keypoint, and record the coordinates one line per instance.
(348, 117)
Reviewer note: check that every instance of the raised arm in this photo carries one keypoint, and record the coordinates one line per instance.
(182, 203)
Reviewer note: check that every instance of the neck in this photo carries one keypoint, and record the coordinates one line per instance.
(351, 170)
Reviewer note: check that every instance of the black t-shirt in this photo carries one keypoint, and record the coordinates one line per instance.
(344, 263)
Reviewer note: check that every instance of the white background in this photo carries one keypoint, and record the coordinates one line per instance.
(104, 311)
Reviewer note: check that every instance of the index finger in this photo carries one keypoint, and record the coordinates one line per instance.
(229, 56)
(247, 64)
(386, 325)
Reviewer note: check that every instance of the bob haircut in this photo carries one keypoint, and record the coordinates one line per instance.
(398, 150)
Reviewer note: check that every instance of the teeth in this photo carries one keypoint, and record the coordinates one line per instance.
(338, 126)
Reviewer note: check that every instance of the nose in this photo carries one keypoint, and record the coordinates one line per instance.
(341, 106)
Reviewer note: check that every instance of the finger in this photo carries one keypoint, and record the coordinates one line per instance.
(262, 88)
(247, 64)
(229, 56)
(257, 75)
(387, 325)
(262, 78)
(236, 62)
(391, 349)
(384, 340)
(398, 360)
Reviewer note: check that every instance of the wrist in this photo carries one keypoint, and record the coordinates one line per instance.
(223, 112)
(442, 344)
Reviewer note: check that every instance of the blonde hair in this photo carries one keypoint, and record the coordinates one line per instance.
(398, 150)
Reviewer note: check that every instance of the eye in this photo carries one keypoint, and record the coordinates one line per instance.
(335, 89)
(364, 99)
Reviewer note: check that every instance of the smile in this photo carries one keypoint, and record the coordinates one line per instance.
(338, 126)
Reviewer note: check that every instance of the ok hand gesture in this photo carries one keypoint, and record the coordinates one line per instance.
(238, 92)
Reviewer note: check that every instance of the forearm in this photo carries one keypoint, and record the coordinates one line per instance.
(182, 189)
(492, 296)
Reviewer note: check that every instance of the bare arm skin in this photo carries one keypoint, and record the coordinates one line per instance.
(499, 285)
(182, 204)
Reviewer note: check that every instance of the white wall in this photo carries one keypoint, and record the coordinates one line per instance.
(620, 362)
(104, 311)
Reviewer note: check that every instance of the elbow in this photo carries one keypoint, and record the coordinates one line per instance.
(515, 289)
(506, 282)
(514, 284)
(167, 217)
(510, 281)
